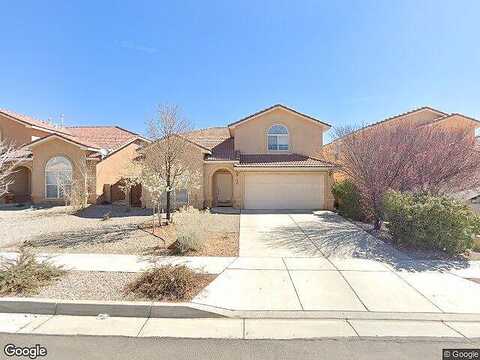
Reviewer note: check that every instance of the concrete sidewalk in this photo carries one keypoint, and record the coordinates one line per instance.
(337, 284)
(130, 263)
(233, 328)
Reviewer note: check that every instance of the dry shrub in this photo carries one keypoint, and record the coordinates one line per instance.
(190, 225)
(26, 275)
(77, 197)
(166, 282)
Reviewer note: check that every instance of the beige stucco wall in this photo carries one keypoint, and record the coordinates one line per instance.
(44, 152)
(111, 169)
(305, 136)
(16, 133)
(458, 122)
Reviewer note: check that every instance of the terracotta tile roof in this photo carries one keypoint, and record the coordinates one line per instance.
(224, 151)
(104, 137)
(278, 106)
(34, 122)
(210, 137)
(280, 160)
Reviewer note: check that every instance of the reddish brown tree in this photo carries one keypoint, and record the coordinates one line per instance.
(406, 157)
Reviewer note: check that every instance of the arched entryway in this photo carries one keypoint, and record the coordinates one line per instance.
(20, 188)
(222, 188)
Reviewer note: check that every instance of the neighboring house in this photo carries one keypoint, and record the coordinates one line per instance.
(263, 161)
(424, 116)
(97, 155)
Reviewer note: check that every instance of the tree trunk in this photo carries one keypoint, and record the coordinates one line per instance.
(377, 225)
(168, 205)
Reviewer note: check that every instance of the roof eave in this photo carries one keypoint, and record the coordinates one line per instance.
(274, 107)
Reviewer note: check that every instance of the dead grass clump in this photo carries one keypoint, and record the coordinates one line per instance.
(26, 275)
(167, 283)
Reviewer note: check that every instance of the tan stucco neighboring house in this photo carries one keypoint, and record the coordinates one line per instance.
(97, 155)
(423, 116)
(263, 161)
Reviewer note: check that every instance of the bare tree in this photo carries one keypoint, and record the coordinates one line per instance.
(167, 163)
(406, 157)
(75, 186)
(10, 158)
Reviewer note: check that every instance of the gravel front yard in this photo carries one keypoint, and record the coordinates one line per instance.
(57, 230)
(104, 286)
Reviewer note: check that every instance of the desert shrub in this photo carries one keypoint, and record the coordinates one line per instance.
(167, 282)
(190, 225)
(347, 200)
(430, 222)
(26, 275)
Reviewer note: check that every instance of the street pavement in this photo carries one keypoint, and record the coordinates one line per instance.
(126, 348)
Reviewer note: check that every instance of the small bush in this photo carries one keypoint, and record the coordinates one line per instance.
(430, 222)
(26, 275)
(190, 227)
(347, 200)
(165, 283)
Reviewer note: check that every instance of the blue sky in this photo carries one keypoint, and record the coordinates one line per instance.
(345, 62)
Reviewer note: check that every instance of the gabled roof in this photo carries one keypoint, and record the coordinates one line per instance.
(448, 116)
(278, 106)
(201, 147)
(32, 122)
(67, 138)
(110, 138)
(104, 137)
(441, 115)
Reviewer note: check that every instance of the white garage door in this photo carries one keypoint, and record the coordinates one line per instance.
(284, 191)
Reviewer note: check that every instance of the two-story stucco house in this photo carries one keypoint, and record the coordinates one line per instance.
(98, 154)
(263, 161)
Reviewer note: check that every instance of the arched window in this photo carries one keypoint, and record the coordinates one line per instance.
(58, 177)
(277, 138)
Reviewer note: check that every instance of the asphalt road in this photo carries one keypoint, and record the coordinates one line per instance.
(119, 348)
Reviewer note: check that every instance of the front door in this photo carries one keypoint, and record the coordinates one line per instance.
(224, 188)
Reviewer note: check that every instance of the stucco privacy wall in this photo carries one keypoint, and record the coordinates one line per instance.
(16, 133)
(44, 152)
(305, 136)
(111, 169)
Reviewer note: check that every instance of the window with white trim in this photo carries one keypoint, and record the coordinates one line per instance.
(58, 177)
(277, 138)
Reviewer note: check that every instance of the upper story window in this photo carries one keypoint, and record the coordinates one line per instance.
(58, 177)
(277, 138)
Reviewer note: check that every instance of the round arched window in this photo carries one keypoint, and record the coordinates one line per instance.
(58, 177)
(277, 138)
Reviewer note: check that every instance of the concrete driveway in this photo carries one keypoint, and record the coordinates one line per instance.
(308, 234)
(318, 261)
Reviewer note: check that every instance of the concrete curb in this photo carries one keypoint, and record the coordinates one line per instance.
(112, 308)
(194, 310)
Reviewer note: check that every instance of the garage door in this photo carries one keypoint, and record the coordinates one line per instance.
(284, 191)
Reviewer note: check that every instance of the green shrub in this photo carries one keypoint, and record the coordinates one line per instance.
(430, 222)
(166, 282)
(25, 275)
(347, 200)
